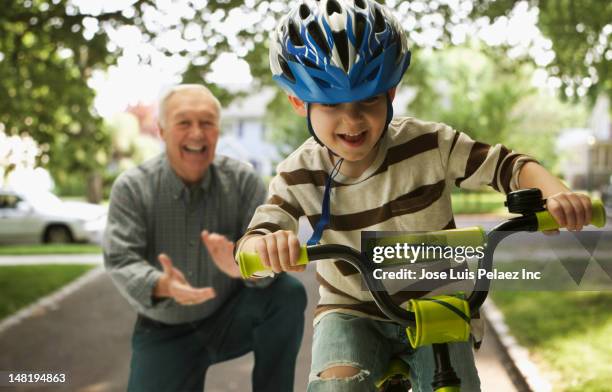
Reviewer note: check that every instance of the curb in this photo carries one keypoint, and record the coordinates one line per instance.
(51, 301)
(78, 258)
(523, 371)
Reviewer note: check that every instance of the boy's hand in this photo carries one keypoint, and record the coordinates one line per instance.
(570, 210)
(279, 251)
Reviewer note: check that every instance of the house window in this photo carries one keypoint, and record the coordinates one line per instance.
(240, 131)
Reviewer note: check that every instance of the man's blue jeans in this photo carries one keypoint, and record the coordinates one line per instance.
(268, 321)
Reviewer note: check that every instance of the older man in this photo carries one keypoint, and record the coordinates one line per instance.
(193, 310)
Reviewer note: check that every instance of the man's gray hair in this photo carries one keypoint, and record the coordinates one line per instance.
(161, 115)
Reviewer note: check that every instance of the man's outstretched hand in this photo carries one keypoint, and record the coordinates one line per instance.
(174, 285)
(222, 252)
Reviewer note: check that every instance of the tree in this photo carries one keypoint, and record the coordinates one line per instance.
(288, 130)
(580, 34)
(49, 49)
(47, 53)
(486, 95)
(470, 90)
(16, 153)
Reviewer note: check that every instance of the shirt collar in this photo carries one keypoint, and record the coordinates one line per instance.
(177, 186)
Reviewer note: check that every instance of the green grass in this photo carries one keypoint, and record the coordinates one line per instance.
(47, 249)
(22, 285)
(570, 331)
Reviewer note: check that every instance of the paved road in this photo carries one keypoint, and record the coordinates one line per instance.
(87, 336)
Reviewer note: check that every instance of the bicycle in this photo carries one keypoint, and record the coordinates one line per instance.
(425, 316)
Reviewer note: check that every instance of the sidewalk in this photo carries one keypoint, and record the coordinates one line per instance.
(52, 259)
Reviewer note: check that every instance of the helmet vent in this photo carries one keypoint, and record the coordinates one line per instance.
(294, 35)
(333, 8)
(309, 63)
(332, 51)
(379, 21)
(315, 32)
(377, 51)
(340, 40)
(304, 11)
(286, 70)
(360, 24)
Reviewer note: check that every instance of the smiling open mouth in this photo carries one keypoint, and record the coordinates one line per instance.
(353, 139)
(194, 150)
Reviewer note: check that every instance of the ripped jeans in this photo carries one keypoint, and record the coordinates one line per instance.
(368, 345)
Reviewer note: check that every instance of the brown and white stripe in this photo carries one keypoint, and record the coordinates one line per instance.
(407, 188)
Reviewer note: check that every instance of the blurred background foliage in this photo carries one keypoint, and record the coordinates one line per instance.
(50, 48)
(579, 31)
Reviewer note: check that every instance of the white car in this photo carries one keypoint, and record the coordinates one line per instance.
(41, 216)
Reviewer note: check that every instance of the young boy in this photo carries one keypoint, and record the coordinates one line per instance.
(340, 62)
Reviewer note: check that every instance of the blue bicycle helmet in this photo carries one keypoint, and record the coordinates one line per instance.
(335, 51)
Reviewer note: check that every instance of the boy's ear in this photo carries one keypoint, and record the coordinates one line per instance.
(391, 93)
(298, 105)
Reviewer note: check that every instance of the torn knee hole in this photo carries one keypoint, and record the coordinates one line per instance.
(342, 372)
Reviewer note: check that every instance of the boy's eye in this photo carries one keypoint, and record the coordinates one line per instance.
(371, 99)
(329, 105)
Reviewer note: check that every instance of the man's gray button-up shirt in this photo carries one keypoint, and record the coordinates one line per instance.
(152, 211)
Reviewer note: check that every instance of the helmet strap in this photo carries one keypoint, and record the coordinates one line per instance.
(325, 210)
(310, 128)
(389, 115)
(324, 220)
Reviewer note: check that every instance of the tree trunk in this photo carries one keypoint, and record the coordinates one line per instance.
(94, 187)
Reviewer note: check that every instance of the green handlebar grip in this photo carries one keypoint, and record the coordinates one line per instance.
(250, 262)
(598, 217)
(449, 389)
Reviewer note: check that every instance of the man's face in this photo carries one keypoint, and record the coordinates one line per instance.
(352, 129)
(191, 131)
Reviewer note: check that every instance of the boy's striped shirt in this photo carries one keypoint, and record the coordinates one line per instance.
(407, 188)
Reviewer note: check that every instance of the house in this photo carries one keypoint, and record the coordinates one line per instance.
(586, 154)
(243, 132)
